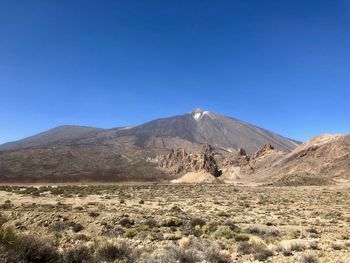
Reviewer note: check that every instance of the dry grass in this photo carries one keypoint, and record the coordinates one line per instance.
(183, 223)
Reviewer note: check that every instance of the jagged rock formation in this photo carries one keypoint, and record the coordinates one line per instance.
(235, 165)
(265, 157)
(239, 164)
(179, 161)
(237, 158)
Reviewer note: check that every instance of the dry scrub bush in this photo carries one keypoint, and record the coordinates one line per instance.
(26, 248)
(338, 245)
(255, 247)
(32, 249)
(297, 246)
(64, 225)
(3, 219)
(150, 222)
(78, 254)
(197, 222)
(119, 250)
(126, 222)
(308, 259)
(192, 251)
(7, 236)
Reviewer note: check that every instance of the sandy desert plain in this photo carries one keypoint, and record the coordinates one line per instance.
(156, 222)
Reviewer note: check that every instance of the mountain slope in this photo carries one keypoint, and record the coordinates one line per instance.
(75, 152)
(323, 159)
(56, 135)
(189, 131)
(199, 127)
(77, 163)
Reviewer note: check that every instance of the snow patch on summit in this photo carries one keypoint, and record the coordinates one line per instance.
(197, 115)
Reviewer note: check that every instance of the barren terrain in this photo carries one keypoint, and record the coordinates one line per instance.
(174, 223)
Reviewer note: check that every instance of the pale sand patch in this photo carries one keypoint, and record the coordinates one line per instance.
(197, 177)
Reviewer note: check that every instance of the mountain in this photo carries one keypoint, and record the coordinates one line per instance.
(199, 127)
(189, 131)
(322, 160)
(76, 152)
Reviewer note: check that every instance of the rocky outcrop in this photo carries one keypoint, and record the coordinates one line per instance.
(266, 149)
(235, 165)
(240, 165)
(265, 157)
(178, 161)
(238, 158)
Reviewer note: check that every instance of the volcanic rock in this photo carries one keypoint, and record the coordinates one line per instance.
(178, 161)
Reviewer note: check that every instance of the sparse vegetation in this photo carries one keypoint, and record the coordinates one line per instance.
(225, 232)
(309, 259)
(119, 251)
(256, 248)
(26, 248)
(78, 254)
(194, 223)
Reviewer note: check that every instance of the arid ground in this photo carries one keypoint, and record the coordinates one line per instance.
(174, 223)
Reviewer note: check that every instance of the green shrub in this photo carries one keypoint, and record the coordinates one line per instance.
(241, 237)
(225, 232)
(130, 233)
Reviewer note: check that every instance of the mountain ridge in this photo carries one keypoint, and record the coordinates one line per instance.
(79, 152)
(197, 127)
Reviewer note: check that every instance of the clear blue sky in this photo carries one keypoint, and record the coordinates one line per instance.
(282, 65)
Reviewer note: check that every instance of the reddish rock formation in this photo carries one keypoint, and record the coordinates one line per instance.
(179, 161)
